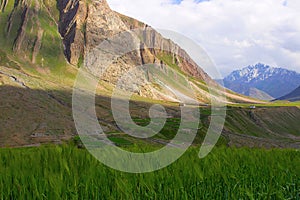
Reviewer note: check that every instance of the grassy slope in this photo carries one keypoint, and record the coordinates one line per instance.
(50, 62)
(277, 119)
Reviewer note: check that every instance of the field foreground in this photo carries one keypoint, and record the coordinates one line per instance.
(66, 172)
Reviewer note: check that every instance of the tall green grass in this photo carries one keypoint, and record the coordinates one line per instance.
(57, 172)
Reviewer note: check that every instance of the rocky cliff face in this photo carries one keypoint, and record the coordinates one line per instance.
(31, 31)
(85, 25)
(71, 26)
(48, 35)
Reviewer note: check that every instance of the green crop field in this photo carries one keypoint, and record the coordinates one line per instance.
(66, 172)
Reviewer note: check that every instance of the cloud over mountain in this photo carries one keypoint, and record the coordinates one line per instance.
(234, 33)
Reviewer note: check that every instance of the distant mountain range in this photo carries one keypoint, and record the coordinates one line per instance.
(262, 81)
(293, 96)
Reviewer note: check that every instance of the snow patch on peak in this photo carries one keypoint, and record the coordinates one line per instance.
(258, 72)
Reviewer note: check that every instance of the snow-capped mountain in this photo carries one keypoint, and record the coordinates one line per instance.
(275, 82)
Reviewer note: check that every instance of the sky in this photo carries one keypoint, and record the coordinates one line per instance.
(234, 33)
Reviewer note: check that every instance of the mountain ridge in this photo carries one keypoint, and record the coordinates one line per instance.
(275, 82)
(43, 34)
(293, 96)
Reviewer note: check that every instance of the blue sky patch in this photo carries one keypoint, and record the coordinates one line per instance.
(179, 1)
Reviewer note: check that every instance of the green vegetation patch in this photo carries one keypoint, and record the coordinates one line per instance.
(65, 172)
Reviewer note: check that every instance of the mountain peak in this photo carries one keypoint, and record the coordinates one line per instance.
(272, 80)
(258, 71)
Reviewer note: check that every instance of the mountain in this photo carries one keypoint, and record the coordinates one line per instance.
(50, 39)
(269, 81)
(43, 44)
(293, 96)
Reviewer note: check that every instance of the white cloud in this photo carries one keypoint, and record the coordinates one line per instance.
(235, 33)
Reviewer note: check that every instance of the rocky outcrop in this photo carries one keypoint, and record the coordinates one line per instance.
(22, 30)
(179, 56)
(3, 4)
(37, 45)
(47, 33)
(84, 25)
(71, 26)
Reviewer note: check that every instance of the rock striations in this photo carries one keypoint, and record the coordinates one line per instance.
(82, 25)
(48, 34)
